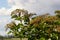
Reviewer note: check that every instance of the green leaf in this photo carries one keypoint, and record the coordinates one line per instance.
(42, 38)
(9, 32)
(14, 16)
(18, 18)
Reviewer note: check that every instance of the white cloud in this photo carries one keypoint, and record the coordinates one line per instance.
(4, 11)
(38, 6)
(0, 21)
(3, 33)
(32, 5)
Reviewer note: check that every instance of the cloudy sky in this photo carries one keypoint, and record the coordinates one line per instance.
(37, 6)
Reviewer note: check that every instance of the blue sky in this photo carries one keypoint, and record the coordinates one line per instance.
(3, 3)
(38, 6)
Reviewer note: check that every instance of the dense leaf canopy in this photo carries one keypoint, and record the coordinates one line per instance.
(43, 27)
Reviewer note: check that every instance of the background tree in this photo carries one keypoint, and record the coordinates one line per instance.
(39, 27)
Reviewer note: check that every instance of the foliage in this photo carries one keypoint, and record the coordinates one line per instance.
(40, 27)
